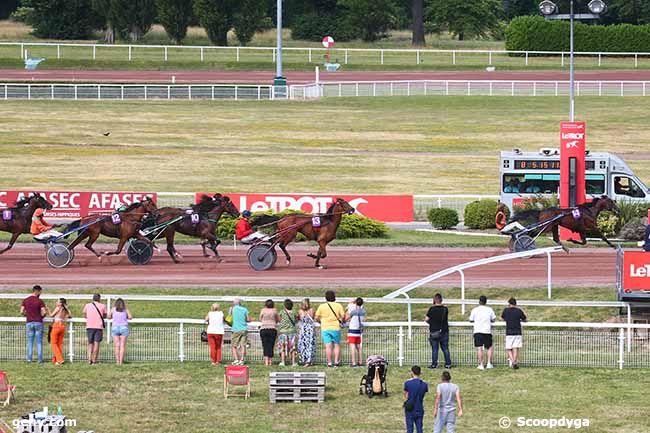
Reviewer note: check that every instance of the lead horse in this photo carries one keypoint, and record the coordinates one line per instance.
(579, 220)
(323, 232)
(18, 219)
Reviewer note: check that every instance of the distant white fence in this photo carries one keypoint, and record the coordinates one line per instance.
(316, 55)
(137, 91)
(466, 88)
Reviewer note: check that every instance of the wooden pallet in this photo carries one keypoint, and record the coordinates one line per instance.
(289, 379)
(297, 394)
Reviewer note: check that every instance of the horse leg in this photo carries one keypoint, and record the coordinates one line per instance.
(602, 236)
(120, 246)
(283, 247)
(169, 236)
(205, 252)
(322, 253)
(92, 237)
(556, 238)
(213, 244)
(12, 241)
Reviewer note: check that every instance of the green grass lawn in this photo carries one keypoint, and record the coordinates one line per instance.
(419, 145)
(172, 397)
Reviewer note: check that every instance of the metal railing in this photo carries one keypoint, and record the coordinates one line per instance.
(548, 344)
(466, 88)
(316, 55)
(119, 92)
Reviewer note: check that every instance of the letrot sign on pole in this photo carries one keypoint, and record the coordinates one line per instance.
(572, 169)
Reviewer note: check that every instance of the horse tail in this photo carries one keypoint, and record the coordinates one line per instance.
(265, 221)
(528, 215)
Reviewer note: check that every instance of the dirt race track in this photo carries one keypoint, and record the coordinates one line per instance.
(389, 268)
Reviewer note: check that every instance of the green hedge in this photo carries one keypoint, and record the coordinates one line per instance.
(481, 214)
(534, 33)
(443, 218)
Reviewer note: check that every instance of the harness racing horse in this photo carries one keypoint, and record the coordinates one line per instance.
(203, 226)
(124, 226)
(19, 218)
(579, 220)
(289, 226)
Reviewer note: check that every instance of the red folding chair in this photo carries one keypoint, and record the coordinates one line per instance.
(5, 386)
(236, 375)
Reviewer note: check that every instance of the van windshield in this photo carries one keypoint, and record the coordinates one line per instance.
(548, 183)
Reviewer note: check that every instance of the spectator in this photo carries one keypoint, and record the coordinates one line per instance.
(287, 334)
(120, 331)
(354, 316)
(60, 314)
(414, 390)
(239, 339)
(330, 315)
(95, 313)
(447, 400)
(268, 330)
(513, 317)
(215, 333)
(438, 319)
(34, 310)
(307, 336)
(482, 317)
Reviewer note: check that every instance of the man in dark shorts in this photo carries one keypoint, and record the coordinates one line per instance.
(438, 319)
(34, 310)
(95, 313)
(483, 317)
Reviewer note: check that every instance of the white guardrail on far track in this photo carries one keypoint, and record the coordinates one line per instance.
(316, 55)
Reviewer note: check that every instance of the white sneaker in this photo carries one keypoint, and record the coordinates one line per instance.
(509, 363)
(281, 364)
(480, 367)
(489, 366)
(235, 362)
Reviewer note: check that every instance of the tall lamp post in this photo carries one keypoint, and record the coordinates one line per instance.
(280, 82)
(550, 11)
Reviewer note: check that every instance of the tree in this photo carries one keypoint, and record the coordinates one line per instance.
(247, 19)
(7, 7)
(372, 18)
(464, 18)
(133, 18)
(417, 14)
(630, 11)
(61, 19)
(215, 16)
(175, 16)
(516, 8)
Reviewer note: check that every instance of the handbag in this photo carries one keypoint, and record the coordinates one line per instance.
(408, 405)
(204, 336)
(228, 320)
(435, 335)
(341, 324)
(49, 333)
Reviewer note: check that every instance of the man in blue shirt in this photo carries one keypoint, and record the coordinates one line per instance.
(239, 339)
(414, 390)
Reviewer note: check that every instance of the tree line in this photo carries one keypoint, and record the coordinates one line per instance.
(369, 20)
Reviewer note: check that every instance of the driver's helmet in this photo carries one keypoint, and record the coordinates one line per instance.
(246, 213)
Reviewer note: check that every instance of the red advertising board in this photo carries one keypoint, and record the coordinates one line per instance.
(636, 271)
(387, 208)
(77, 204)
(572, 167)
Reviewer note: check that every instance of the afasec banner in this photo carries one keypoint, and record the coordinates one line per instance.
(636, 270)
(73, 204)
(388, 208)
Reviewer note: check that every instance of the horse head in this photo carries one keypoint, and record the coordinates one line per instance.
(605, 203)
(205, 204)
(230, 207)
(148, 205)
(344, 206)
(34, 202)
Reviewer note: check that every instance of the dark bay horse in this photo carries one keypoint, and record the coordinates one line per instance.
(209, 210)
(127, 228)
(289, 226)
(579, 220)
(21, 217)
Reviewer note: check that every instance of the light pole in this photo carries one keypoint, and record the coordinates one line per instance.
(549, 10)
(280, 82)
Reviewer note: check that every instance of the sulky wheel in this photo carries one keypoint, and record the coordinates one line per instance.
(522, 243)
(262, 257)
(58, 255)
(139, 252)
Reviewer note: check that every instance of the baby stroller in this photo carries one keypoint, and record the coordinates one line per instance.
(374, 381)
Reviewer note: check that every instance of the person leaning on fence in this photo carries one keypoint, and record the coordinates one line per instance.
(120, 330)
(483, 317)
(448, 405)
(95, 313)
(354, 316)
(269, 319)
(60, 314)
(287, 334)
(330, 315)
(414, 391)
(215, 333)
(239, 339)
(34, 311)
(307, 334)
(513, 316)
(438, 319)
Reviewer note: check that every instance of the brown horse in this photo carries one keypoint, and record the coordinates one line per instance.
(127, 227)
(289, 226)
(209, 210)
(21, 217)
(579, 220)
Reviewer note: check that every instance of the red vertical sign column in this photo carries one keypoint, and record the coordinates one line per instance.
(572, 168)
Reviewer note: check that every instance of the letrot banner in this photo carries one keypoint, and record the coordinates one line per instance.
(387, 208)
(636, 271)
(77, 204)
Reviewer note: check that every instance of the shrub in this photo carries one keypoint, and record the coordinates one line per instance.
(443, 218)
(481, 214)
(360, 227)
(313, 26)
(629, 210)
(608, 223)
(634, 229)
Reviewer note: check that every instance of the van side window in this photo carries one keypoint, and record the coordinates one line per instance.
(624, 185)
